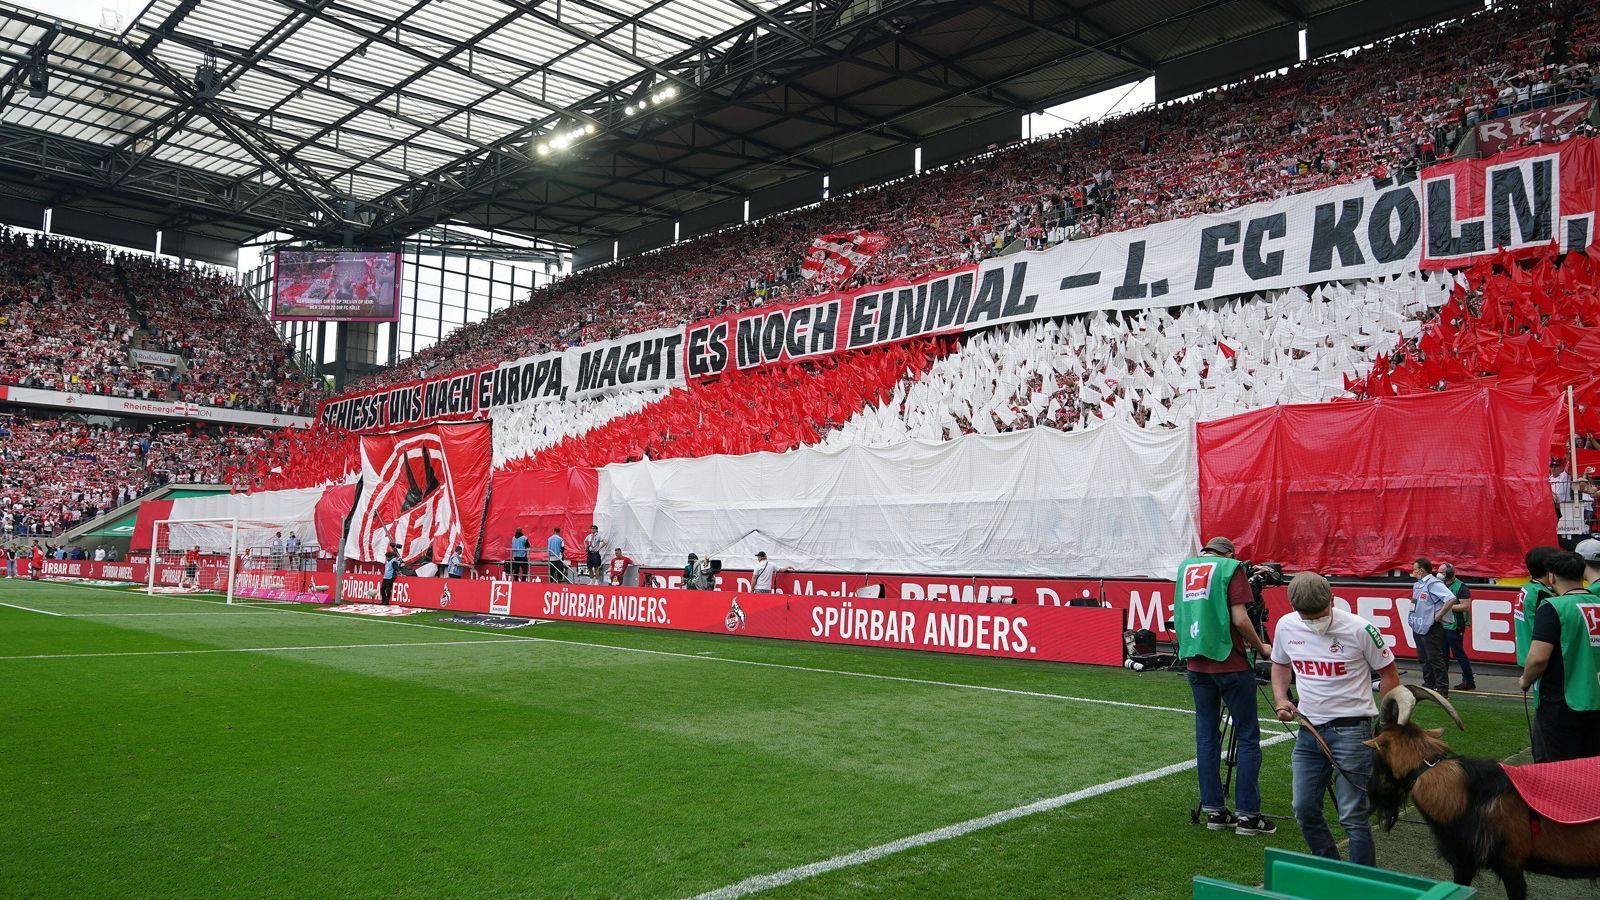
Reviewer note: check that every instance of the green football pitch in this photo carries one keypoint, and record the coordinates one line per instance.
(179, 746)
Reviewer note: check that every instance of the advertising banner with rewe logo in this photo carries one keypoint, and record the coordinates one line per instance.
(423, 490)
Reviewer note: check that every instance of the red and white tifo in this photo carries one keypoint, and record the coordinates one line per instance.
(1337, 427)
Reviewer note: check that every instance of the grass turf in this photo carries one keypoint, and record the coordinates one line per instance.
(417, 761)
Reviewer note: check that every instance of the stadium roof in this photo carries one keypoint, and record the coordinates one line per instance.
(567, 120)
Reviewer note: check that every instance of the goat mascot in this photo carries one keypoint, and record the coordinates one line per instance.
(1485, 815)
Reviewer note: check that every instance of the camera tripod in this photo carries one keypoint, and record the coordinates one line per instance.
(1228, 739)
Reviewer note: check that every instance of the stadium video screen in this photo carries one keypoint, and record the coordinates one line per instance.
(336, 286)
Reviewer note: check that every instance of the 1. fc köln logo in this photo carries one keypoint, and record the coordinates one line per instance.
(423, 491)
(412, 503)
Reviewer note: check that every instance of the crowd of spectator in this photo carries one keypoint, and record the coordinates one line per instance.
(71, 312)
(56, 472)
(233, 356)
(64, 323)
(1380, 111)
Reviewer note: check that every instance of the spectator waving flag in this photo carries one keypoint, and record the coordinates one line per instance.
(835, 257)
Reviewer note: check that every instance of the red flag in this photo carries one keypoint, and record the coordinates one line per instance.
(1227, 352)
(835, 257)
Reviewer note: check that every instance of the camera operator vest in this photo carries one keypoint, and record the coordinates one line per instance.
(1200, 607)
(1534, 595)
(1579, 613)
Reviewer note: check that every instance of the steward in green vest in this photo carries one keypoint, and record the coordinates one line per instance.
(1203, 622)
(1534, 593)
(1460, 619)
(1564, 660)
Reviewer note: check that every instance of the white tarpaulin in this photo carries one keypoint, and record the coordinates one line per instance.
(1112, 501)
(261, 516)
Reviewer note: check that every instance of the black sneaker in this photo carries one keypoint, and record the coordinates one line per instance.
(1221, 820)
(1254, 825)
(1465, 686)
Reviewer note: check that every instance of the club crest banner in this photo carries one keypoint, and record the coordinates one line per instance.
(424, 490)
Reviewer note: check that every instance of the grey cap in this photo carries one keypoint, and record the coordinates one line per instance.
(1589, 549)
(1220, 545)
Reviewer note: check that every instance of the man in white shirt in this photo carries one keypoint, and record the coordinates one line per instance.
(594, 546)
(765, 571)
(99, 554)
(1332, 655)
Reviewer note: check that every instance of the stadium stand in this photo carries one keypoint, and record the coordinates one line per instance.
(57, 472)
(1383, 111)
(233, 356)
(71, 312)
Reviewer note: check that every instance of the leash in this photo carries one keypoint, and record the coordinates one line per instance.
(1348, 775)
(1328, 752)
(1527, 717)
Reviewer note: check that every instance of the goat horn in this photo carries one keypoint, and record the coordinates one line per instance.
(1397, 707)
(1422, 693)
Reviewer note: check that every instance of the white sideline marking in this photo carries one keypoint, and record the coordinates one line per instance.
(261, 649)
(31, 609)
(760, 883)
(125, 615)
(695, 656)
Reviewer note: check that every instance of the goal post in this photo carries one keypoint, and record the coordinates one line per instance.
(193, 555)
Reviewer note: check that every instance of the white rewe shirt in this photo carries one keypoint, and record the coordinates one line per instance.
(1333, 672)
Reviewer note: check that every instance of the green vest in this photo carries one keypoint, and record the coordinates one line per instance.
(1580, 648)
(1457, 621)
(1200, 607)
(1533, 595)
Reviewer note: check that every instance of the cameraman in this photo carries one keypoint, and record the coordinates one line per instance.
(1211, 605)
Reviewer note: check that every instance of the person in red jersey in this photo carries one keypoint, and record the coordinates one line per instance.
(619, 566)
(191, 568)
(38, 561)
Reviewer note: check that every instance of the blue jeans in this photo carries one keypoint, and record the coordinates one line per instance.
(1236, 691)
(1311, 774)
(1455, 648)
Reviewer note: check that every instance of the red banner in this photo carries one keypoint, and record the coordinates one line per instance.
(1148, 604)
(537, 502)
(1060, 634)
(1032, 629)
(1505, 132)
(1363, 488)
(955, 588)
(835, 257)
(423, 490)
(1522, 202)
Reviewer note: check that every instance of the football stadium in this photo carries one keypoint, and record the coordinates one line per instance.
(806, 448)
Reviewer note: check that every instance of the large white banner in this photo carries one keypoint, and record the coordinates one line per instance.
(1355, 231)
(1113, 500)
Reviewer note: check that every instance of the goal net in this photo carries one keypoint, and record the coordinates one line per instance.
(194, 556)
